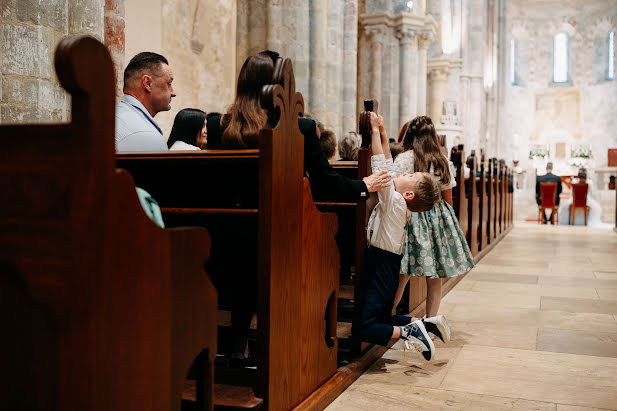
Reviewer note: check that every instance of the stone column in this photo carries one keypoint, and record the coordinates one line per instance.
(407, 73)
(423, 43)
(275, 25)
(318, 58)
(439, 76)
(114, 38)
(87, 17)
(350, 64)
(376, 36)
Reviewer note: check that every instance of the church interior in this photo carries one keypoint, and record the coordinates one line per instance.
(117, 298)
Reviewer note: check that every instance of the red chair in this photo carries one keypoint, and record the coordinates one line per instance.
(579, 200)
(548, 199)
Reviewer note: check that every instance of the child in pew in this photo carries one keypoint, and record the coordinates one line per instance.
(373, 321)
(435, 246)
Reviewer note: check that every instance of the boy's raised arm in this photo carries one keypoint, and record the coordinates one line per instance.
(376, 146)
(385, 144)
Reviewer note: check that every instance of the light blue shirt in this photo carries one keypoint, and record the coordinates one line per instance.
(136, 130)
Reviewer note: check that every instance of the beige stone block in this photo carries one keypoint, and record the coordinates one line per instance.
(407, 368)
(492, 268)
(533, 289)
(577, 282)
(607, 293)
(383, 396)
(562, 407)
(487, 333)
(579, 305)
(535, 375)
(503, 277)
(504, 299)
(596, 343)
(605, 275)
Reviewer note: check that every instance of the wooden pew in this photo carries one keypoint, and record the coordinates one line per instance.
(483, 208)
(458, 192)
(473, 205)
(263, 195)
(497, 196)
(503, 190)
(101, 309)
(490, 194)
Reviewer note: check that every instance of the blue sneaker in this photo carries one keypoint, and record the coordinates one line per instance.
(416, 338)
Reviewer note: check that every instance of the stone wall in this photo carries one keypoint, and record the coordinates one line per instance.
(198, 38)
(29, 33)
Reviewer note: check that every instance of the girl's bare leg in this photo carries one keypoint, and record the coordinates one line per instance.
(402, 282)
(433, 296)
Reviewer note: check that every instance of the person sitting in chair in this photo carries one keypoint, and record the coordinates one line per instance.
(549, 177)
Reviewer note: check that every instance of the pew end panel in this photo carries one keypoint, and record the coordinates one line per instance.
(96, 321)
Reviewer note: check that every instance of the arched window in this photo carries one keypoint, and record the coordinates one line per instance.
(560, 58)
(512, 62)
(611, 55)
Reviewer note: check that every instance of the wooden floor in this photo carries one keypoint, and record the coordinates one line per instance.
(534, 327)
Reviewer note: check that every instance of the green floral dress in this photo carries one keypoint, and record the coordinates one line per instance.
(435, 246)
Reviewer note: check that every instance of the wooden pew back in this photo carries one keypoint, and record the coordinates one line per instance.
(263, 196)
(472, 205)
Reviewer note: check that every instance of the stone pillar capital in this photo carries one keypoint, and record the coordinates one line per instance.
(425, 39)
(406, 35)
(438, 73)
(376, 33)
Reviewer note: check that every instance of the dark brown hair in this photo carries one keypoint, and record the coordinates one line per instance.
(245, 118)
(327, 141)
(422, 139)
(143, 61)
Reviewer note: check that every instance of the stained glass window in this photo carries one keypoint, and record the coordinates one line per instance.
(512, 62)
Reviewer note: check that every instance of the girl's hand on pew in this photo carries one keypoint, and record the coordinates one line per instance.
(377, 181)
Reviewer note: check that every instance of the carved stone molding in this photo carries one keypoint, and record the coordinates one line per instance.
(376, 34)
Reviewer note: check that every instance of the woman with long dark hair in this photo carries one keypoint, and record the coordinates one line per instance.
(189, 131)
(239, 128)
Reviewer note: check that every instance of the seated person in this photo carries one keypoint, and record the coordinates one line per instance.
(240, 128)
(189, 131)
(327, 141)
(147, 91)
(594, 216)
(373, 320)
(549, 177)
(348, 147)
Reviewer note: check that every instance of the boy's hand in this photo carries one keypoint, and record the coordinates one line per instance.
(377, 181)
(380, 123)
(375, 121)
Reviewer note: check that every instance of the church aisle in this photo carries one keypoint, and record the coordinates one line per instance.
(534, 326)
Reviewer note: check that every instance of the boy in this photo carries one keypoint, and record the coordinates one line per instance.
(373, 321)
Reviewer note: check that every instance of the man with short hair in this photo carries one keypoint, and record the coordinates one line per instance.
(549, 177)
(147, 91)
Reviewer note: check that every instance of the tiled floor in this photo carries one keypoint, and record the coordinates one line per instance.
(534, 327)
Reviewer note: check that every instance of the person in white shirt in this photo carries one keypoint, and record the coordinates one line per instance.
(189, 131)
(147, 91)
(373, 321)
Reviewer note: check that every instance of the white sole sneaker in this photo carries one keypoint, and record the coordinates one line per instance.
(438, 326)
(419, 340)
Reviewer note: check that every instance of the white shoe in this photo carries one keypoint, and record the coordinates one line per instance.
(437, 326)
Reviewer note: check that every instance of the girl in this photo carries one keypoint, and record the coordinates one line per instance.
(435, 247)
(189, 131)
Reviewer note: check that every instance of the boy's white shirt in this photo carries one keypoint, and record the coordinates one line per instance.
(387, 226)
